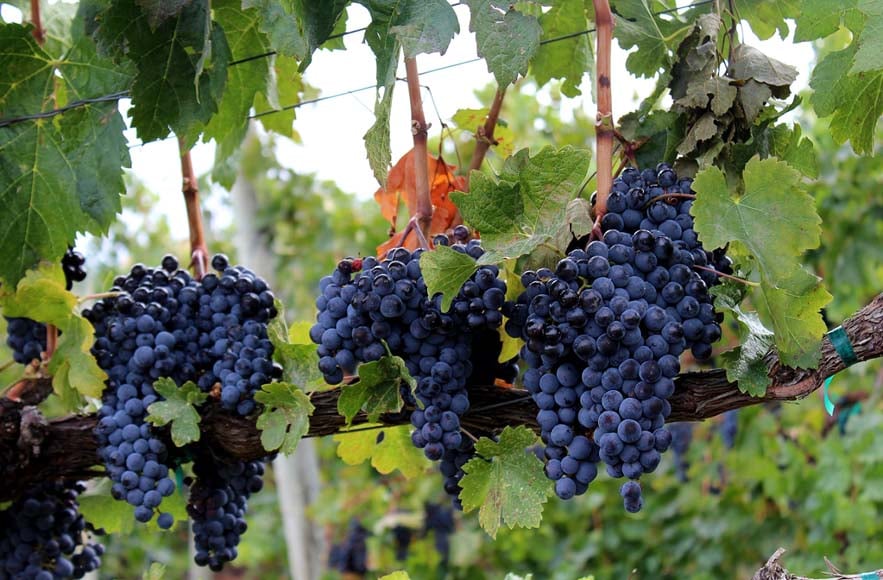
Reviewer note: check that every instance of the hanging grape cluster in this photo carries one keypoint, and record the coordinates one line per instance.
(604, 332)
(368, 305)
(43, 536)
(165, 324)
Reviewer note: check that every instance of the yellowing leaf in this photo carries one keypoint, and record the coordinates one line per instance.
(389, 449)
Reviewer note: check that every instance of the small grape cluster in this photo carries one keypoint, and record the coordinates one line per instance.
(351, 555)
(368, 305)
(217, 506)
(439, 520)
(402, 536)
(27, 338)
(165, 324)
(44, 537)
(604, 331)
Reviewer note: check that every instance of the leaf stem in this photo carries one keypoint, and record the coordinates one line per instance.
(665, 196)
(604, 120)
(6, 365)
(99, 296)
(419, 130)
(190, 189)
(728, 276)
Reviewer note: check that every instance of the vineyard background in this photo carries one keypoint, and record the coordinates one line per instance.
(793, 477)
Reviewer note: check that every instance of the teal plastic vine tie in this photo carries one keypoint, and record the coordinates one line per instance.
(844, 350)
(179, 478)
(869, 576)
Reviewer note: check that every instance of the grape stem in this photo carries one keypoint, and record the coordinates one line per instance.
(419, 130)
(604, 130)
(99, 296)
(190, 189)
(728, 276)
(413, 227)
(666, 196)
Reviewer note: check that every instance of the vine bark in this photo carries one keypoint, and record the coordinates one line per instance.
(66, 447)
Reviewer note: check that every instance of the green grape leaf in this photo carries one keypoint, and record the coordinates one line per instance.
(41, 296)
(425, 26)
(788, 144)
(377, 391)
(445, 270)
(158, 11)
(767, 17)
(178, 408)
(389, 449)
(774, 217)
(506, 39)
(745, 363)
(870, 47)
(296, 28)
(244, 81)
(654, 38)
(568, 59)
(792, 310)
(285, 87)
(515, 218)
(300, 362)
(853, 101)
(181, 66)
(505, 482)
(67, 174)
(285, 418)
(377, 137)
(472, 119)
(819, 18)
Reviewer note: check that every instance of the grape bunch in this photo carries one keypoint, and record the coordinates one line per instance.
(165, 324)
(402, 536)
(43, 536)
(217, 506)
(681, 437)
(439, 520)
(27, 338)
(368, 305)
(604, 332)
(730, 428)
(351, 555)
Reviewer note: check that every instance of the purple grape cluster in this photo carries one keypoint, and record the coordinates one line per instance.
(217, 506)
(165, 324)
(369, 305)
(604, 332)
(43, 536)
(351, 555)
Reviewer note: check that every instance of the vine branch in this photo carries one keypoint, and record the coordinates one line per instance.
(604, 122)
(38, 32)
(419, 130)
(190, 189)
(67, 448)
(484, 135)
